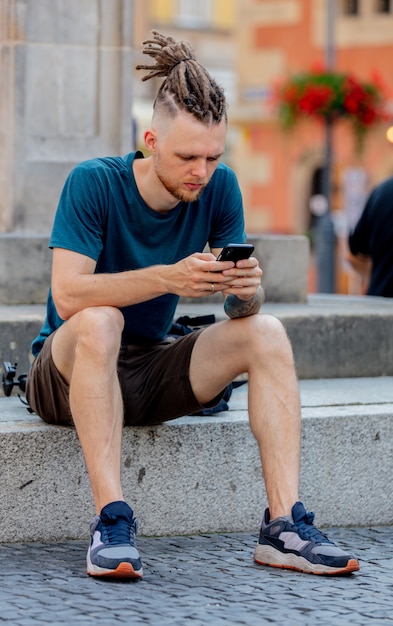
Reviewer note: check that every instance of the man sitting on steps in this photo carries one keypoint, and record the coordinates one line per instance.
(128, 241)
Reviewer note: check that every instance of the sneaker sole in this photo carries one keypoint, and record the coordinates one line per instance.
(123, 570)
(265, 555)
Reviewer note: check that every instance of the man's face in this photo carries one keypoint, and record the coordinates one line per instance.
(186, 154)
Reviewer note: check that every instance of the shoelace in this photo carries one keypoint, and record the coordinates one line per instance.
(307, 530)
(120, 530)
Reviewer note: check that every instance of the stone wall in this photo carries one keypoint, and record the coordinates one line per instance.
(25, 267)
(66, 75)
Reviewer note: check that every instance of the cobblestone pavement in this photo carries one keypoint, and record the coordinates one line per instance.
(208, 579)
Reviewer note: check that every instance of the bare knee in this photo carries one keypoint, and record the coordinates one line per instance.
(99, 330)
(265, 336)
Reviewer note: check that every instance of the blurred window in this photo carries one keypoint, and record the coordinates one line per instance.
(350, 7)
(194, 14)
(383, 6)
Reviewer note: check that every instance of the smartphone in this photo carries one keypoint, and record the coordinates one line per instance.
(235, 252)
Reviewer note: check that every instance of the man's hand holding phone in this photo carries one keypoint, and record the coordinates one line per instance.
(245, 279)
(244, 295)
(201, 273)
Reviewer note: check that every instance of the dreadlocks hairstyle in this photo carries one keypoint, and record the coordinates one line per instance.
(187, 86)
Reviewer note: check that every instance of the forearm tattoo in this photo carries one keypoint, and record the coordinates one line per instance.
(235, 307)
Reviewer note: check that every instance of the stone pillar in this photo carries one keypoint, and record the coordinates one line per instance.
(65, 96)
(7, 108)
(66, 75)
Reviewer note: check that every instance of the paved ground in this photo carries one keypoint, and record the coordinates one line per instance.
(202, 580)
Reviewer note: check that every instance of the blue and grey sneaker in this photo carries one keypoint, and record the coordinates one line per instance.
(112, 551)
(300, 546)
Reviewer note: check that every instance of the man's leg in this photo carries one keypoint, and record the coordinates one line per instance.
(258, 345)
(85, 351)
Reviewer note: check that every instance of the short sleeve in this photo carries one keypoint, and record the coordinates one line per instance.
(81, 214)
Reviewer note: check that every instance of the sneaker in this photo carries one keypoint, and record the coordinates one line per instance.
(300, 546)
(112, 551)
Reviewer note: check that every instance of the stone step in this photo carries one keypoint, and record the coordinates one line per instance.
(332, 336)
(25, 267)
(202, 474)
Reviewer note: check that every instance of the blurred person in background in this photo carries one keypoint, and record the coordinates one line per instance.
(371, 242)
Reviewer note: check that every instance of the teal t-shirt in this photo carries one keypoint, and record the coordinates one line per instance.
(102, 215)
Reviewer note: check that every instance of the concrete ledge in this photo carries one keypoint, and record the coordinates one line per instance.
(25, 267)
(339, 336)
(332, 336)
(202, 474)
(19, 325)
(284, 260)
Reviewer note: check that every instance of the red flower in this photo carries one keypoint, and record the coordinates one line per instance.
(354, 96)
(315, 99)
(330, 95)
(368, 116)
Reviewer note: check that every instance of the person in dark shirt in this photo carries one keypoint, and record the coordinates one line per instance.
(371, 242)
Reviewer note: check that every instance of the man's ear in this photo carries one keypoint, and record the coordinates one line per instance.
(150, 139)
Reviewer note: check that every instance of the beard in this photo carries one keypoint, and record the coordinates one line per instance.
(177, 192)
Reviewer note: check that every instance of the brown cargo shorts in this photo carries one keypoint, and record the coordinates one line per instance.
(154, 381)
